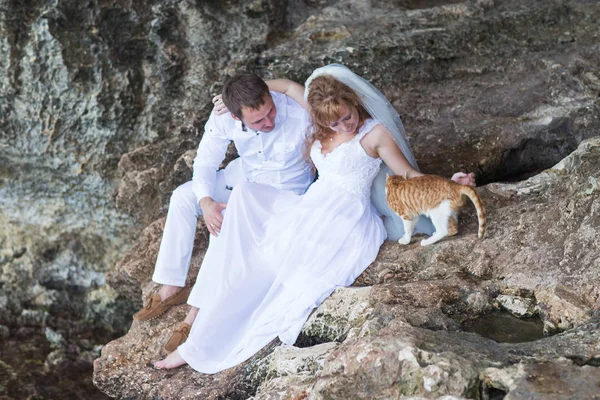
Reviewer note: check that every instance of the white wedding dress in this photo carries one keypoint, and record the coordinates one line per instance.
(279, 255)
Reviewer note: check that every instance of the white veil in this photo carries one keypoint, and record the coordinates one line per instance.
(380, 109)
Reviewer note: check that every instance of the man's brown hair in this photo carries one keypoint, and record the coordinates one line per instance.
(244, 89)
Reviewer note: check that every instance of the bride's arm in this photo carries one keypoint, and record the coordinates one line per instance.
(293, 90)
(381, 143)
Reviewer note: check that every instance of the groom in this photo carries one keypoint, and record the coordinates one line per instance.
(268, 130)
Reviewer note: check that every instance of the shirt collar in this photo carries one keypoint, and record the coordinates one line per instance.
(239, 125)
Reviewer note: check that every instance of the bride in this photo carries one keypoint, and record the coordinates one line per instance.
(279, 255)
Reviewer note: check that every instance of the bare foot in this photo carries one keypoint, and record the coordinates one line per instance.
(174, 360)
(167, 291)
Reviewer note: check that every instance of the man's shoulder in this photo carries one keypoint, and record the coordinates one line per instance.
(223, 118)
(223, 122)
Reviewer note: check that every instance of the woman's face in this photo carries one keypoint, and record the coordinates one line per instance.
(348, 121)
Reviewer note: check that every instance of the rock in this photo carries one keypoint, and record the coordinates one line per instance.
(344, 311)
(137, 265)
(55, 359)
(518, 306)
(418, 372)
(406, 312)
(520, 248)
(558, 379)
(4, 332)
(56, 340)
(102, 107)
(82, 88)
(561, 308)
(25, 332)
(486, 83)
(421, 356)
(291, 371)
(145, 172)
(7, 376)
(33, 318)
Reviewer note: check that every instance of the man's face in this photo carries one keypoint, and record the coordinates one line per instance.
(262, 119)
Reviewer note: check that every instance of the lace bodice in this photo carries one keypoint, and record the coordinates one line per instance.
(348, 166)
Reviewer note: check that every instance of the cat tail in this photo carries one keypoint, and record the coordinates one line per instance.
(472, 194)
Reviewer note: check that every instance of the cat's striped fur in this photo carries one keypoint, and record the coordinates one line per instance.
(434, 196)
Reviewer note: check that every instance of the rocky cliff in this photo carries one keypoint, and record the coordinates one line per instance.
(102, 104)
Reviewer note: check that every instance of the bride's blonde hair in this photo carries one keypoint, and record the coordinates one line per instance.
(326, 98)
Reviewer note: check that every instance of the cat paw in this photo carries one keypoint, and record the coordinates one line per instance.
(404, 240)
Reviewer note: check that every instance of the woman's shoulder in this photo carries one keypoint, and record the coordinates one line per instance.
(375, 134)
(372, 126)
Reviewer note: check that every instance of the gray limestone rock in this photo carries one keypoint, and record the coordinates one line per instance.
(4, 332)
(517, 306)
(92, 97)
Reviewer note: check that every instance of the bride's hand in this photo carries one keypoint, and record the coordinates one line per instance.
(219, 107)
(464, 179)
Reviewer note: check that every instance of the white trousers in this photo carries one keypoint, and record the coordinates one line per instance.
(175, 253)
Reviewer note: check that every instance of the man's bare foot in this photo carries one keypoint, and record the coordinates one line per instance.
(167, 291)
(174, 360)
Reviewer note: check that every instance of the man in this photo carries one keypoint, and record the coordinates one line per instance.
(268, 130)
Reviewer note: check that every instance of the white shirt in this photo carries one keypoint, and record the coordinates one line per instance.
(274, 158)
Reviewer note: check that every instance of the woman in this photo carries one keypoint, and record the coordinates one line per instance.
(279, 255)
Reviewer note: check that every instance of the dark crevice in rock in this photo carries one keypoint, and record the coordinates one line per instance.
(310, 341)
(238, 394)
(491, 393)
(533, 155)
(582, 361)
(19, 253)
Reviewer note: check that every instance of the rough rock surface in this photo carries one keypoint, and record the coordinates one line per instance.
(102, 105)
(87, 90)
(90, 97)
(399, 332)
(502, 88)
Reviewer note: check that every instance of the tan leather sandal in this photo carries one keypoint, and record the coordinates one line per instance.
(155, 307)
(179, 336)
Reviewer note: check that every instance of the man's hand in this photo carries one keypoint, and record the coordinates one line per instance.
(211, 212)
(219, 107)
(464, 179)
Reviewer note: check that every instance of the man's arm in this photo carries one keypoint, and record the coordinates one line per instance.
(211, 152)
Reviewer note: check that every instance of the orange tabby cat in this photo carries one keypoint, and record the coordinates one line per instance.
(434, 196)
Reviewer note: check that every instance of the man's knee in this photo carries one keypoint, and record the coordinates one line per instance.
(183, 196)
